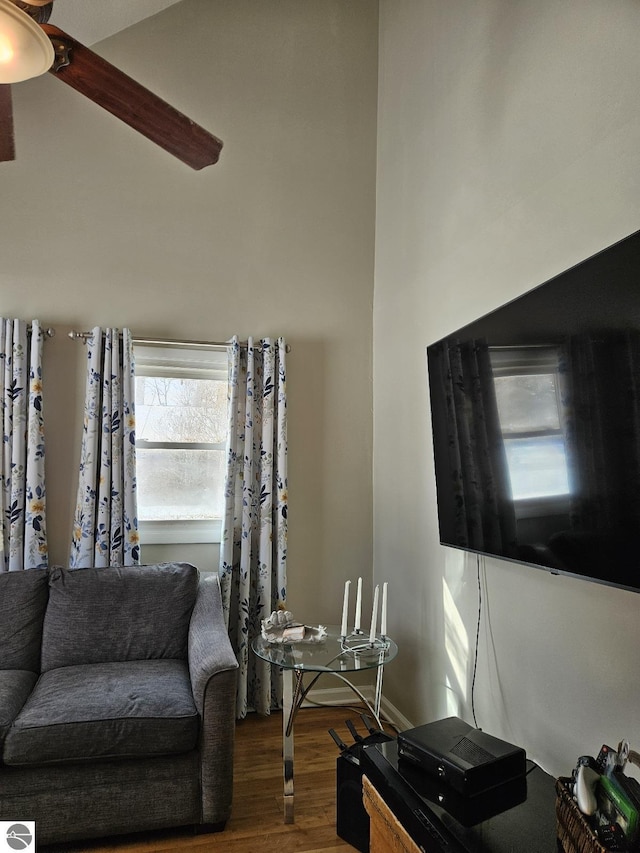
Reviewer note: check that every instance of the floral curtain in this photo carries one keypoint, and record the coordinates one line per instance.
(478, 474)
(22, 489)
(601, 393)
(253, 551)
(105, 529)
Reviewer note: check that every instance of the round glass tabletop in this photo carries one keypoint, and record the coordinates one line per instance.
(328, 655)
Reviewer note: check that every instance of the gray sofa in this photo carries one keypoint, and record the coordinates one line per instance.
(117, 701)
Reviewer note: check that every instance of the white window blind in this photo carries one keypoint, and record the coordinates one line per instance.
(181, 437)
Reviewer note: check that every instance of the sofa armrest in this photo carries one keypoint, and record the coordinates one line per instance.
(210, 650)
(213, 671)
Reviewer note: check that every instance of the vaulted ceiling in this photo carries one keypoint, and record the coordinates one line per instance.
(90, 21)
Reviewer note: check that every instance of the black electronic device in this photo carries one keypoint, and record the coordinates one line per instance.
(606, 756)
(612, 837)
(535, 432)
(466, 759)
(352, 820)
(415, 814)
(529, 825)
(468, 811)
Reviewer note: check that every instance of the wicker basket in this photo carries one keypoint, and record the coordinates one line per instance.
(574, 833)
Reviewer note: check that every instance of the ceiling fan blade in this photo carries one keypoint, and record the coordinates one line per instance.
(131, 102)
(7, 146)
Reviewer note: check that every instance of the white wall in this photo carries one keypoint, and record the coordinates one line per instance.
(101, 227)
(508, 150)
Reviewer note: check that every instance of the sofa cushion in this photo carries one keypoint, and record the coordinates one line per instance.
(117, 614)
(23, 598)
(15, 687)
(99, 798)
(107, 710)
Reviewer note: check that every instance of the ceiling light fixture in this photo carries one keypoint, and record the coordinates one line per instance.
(25, 50)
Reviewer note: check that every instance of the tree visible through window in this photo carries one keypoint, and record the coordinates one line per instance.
(181, 432)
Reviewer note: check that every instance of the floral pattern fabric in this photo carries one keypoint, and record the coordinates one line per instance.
(253, 551)
(105, 529)
(600, 382)
(22, 488)
(478, 476)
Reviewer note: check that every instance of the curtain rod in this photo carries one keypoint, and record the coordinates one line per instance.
(48, 333)
(170, 342)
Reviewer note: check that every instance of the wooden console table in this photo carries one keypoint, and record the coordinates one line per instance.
(386, 833)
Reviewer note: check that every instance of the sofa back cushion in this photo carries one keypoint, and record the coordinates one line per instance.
(118, 614)
(23, 598)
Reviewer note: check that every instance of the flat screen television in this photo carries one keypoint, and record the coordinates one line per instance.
(536, 424)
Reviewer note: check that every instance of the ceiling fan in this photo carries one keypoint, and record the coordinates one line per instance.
(29, 47)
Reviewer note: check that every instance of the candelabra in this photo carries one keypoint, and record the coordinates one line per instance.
(358, 642)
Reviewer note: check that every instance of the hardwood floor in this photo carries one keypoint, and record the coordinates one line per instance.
(256, 824)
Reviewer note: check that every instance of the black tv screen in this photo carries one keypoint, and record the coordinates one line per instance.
(536, 424)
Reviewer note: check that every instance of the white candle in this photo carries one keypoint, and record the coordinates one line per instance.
(358, 605)
(345, 608)
(374, 616)
(383, 618)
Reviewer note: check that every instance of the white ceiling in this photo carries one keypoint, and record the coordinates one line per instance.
(90, 21)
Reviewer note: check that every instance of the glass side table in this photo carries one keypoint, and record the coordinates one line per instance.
(327, 656)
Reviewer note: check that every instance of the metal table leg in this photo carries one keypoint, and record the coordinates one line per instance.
(291, 701)
(293, 695)
(287, 744)
(378, 697)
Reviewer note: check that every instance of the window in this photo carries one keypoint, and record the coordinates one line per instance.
(530, 412)
(181, 433)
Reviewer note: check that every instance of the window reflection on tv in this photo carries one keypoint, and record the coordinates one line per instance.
(536, 424)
